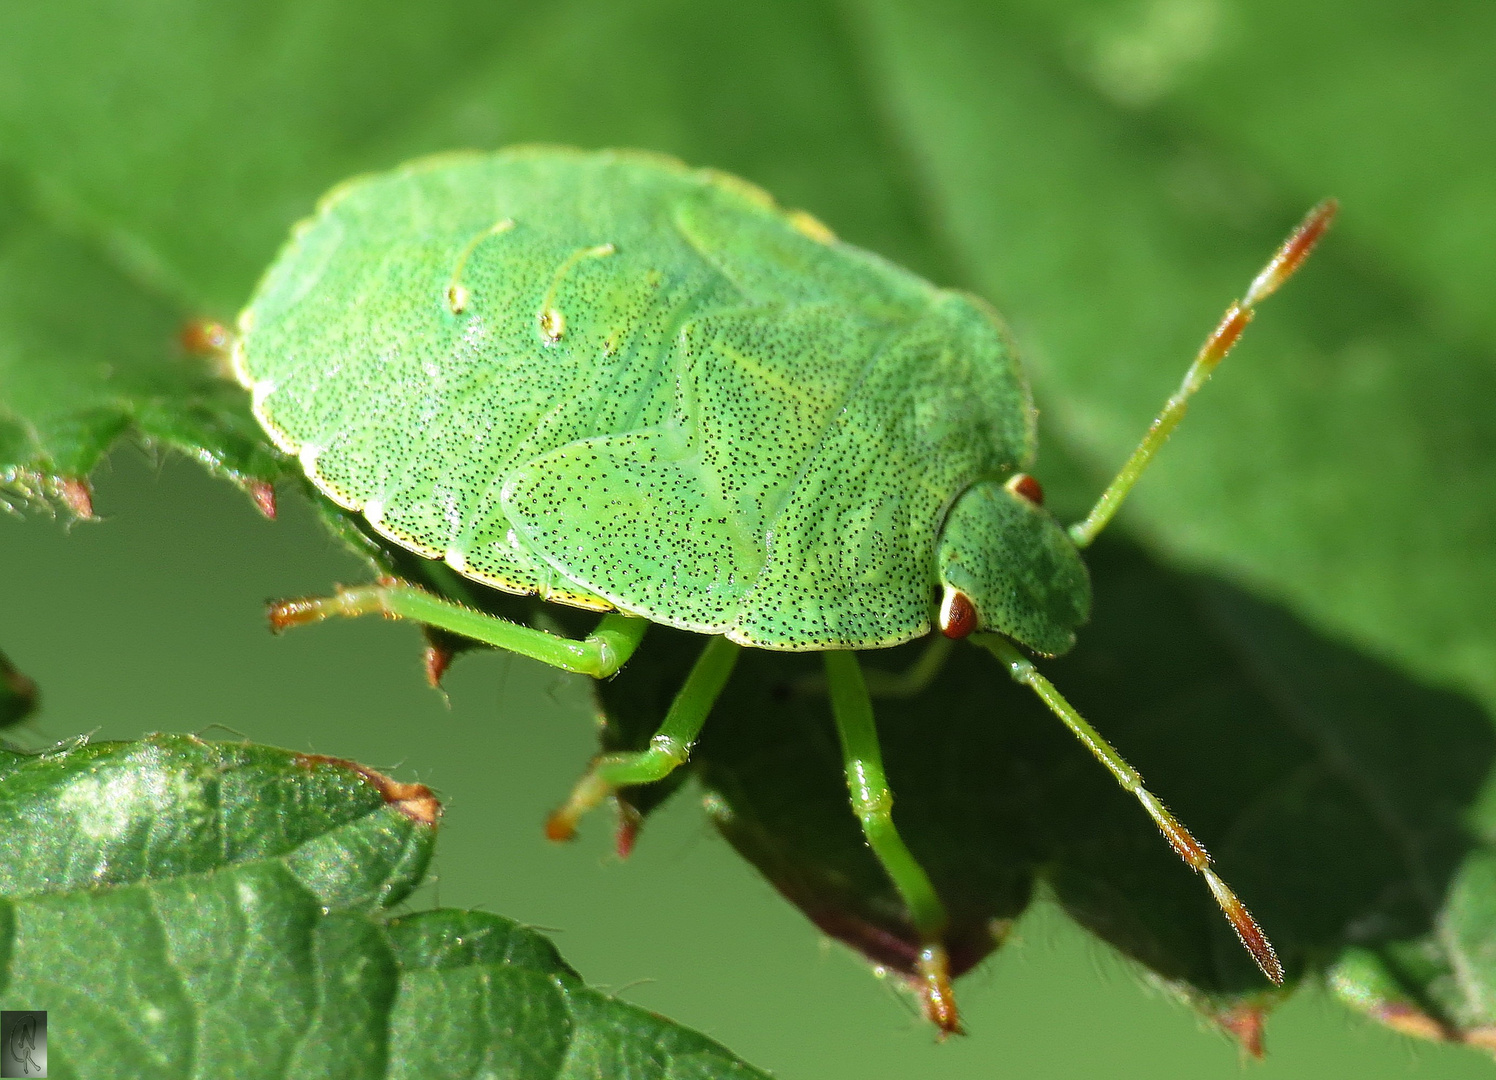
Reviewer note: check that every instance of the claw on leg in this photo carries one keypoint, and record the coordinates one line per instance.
(937, 997)
(344, 603)
(590, 790)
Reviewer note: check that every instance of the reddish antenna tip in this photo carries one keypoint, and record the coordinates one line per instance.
(1257, 944)
(1247, 930)
(958, 615)
(1292, 254)
(1246, 1024)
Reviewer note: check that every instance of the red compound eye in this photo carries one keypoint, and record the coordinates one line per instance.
(1026, 487)
(958, 615)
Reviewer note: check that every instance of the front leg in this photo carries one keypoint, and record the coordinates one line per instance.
(668, 750)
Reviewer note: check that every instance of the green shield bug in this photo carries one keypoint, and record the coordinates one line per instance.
(620, 384)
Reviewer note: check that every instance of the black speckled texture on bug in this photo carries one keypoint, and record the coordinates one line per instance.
(618, 382)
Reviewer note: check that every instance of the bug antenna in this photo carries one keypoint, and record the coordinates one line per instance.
(1247, 930)
(1287, 259)
(1184, 844)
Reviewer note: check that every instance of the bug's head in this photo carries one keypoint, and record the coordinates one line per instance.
(1005, 564)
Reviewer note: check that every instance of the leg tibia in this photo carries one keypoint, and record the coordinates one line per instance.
(611, 772)
(872, 802)
(913, 680)
(669, 748)
(1188, 848)
(603, 652)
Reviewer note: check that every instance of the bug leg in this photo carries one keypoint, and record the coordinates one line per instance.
(914, 678)
(669, 748)
(872, 802)
(908, 683)
(1186, 846)
(600, 654)
(1288, 258)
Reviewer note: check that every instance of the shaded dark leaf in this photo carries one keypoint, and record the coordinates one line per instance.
(18, 694)
(1334, 793)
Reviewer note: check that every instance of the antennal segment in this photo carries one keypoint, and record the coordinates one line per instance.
(1288, 258)
(1185, 846)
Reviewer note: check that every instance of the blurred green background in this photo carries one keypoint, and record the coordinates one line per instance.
(1108, 173)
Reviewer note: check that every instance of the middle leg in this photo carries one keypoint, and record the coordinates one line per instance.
(872, 801)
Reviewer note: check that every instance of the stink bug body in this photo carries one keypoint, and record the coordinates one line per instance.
(620, 384)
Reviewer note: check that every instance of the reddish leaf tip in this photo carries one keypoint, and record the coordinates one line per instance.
(77, 496)
(627, 833)
(436, 661)
(262, 492)
(415, 801)
(1246, 1024)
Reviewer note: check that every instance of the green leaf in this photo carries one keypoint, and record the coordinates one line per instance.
(183, 908)
(1110, 173)
(481, 995)
(85, 355)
